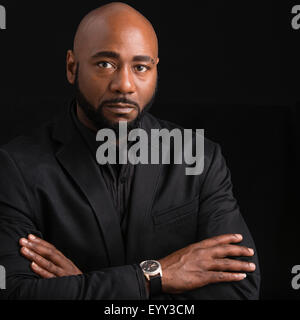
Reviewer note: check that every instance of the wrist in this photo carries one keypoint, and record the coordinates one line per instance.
(153, 276)
(165, 280)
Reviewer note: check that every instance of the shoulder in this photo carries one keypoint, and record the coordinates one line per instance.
(212, 149)
(31, 148)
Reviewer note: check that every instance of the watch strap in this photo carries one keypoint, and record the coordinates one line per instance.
(155, 285)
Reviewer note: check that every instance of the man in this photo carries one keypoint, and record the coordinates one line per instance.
(73, 229)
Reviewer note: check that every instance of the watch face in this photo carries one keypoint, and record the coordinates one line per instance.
(150, 266)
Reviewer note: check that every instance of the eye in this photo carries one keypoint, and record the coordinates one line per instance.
(105, 65)
(141, 68)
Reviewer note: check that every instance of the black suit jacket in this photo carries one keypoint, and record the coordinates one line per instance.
(50, 186)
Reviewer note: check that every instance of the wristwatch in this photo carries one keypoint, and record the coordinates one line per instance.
(153, 273)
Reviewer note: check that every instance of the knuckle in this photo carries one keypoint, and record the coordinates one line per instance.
(40, 260)
(215, 238)
(226, 249)
(49, 265)
(204, 264)
(48, 253)
(61, 273)
(199, 246)
(51, 246)
(201, 254)
(227, 262)
(53, 268)
(194, 246)
(221, 275)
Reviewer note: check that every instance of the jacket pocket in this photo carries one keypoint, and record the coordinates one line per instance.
(176, 213)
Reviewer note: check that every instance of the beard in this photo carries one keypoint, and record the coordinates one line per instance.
(96, 116)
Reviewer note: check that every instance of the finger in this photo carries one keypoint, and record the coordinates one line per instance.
(46, 252)
(231, 265)
(43, 242)
(36, 239)
(42, 262)
(229, 250)
(41, 272)
(219, 240)
(214, 277)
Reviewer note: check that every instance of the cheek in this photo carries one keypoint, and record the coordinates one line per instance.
(146, 90)
(93, 87)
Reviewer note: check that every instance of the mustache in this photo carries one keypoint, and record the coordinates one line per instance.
(121, 100)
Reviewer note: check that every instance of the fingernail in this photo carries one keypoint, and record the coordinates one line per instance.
(34, 265)
(251, 250)
(31, 237)
(239, 236)
(252, 265)
(27, 250)
(25, 241)
(241, 275)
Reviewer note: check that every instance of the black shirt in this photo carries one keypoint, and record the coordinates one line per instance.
(118, 177)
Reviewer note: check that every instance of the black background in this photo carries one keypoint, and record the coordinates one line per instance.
(230, 67)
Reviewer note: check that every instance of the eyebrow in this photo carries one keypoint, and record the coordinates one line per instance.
(143, 59)
(115, 55)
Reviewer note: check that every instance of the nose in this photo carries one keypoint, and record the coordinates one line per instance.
(123, 82)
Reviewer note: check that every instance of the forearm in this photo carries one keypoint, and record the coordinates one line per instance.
(114, 283)
(247, 289)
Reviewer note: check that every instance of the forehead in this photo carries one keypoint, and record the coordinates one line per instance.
(127, 40)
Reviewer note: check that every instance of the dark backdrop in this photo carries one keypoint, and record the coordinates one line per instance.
(230, 67)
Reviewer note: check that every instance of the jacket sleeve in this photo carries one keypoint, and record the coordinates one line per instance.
(220, 214)
(17, 220)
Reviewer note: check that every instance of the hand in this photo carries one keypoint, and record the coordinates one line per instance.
(205, 262)
(47, 261)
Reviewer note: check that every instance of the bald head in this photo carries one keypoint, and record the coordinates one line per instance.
(116, 17)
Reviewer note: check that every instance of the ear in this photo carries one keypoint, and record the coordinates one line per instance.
(157, 61)
(71, 67)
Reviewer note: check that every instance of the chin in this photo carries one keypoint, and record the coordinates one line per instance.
(116, 120)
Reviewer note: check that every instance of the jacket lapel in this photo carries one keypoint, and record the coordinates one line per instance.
(75, 157)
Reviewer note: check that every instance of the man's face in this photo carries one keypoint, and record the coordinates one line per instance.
(116, 75)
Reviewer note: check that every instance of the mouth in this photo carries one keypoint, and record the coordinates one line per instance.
(120, 108)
